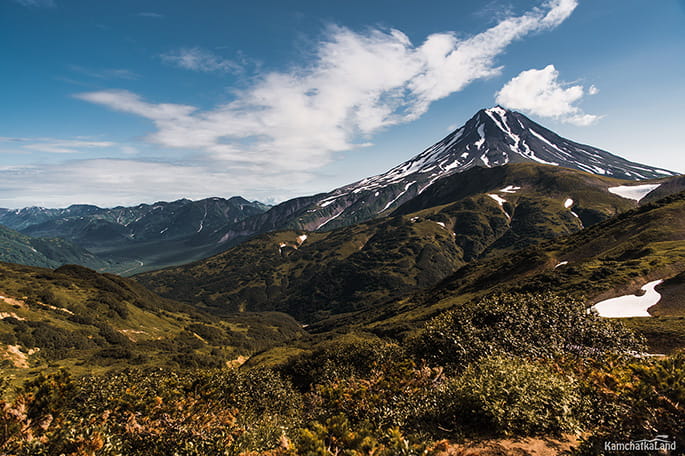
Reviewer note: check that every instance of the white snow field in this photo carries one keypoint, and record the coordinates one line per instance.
(633, 192)
(630, 305)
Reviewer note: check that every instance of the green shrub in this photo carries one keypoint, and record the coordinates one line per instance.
(338, 437)
(48, 395)
(346, 356)
(111, 335)
(150, 413)
(391, 396)
(507, 395)
(212, 334)
(522, 325)
(53, 341)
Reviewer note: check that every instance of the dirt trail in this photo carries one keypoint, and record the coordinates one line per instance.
(529, 446)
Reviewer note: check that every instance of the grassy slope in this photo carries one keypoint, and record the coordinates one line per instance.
(75, 317)
(613, 258)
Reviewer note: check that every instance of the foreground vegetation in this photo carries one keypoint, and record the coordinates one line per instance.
(477, 372)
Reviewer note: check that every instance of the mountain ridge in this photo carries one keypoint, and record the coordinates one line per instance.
(131, 237)
(16, 247)
(492, 137)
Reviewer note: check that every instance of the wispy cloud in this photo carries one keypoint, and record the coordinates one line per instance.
(198, 59)
(55, 146)
(37, 3)
(110, 182)
(150, 15)
(540, 92)
(105, 73)
(357, 84)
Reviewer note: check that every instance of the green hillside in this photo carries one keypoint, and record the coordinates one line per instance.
(91, 322)
(613, 258)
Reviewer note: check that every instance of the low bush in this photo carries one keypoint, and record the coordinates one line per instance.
(508, 396)
(150, 413)
(344, 357)
(391, 396)
(537, 326)
(338, 437)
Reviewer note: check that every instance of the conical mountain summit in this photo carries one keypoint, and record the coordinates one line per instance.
(492, 137)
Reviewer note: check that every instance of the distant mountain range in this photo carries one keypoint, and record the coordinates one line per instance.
(92, 226)
(125, 237)
(146, 237)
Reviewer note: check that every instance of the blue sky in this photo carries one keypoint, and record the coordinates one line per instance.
(137, 101)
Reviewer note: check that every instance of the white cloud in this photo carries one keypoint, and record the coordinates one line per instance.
(541, 93)
(67, 147)
(110, 182)
(198, 59)
(357, 84)
(106, 73)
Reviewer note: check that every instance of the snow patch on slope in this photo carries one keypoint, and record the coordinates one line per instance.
(549, 143)
(497, 198)
(331, 218)
(406, 187)
(481, 133)
(510, 189)
(633, 192)
(630, 305)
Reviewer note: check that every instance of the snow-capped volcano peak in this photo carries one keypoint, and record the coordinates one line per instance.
(497, 136)
(492, 137)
